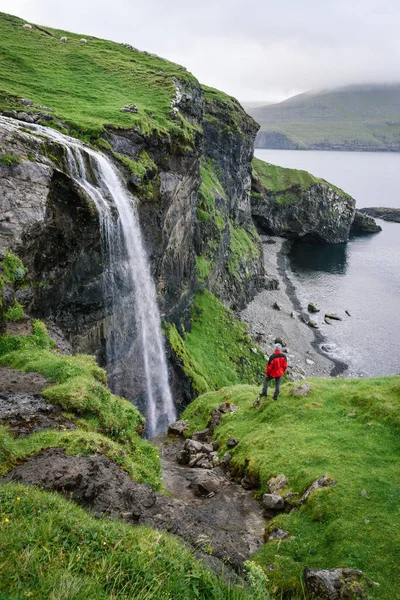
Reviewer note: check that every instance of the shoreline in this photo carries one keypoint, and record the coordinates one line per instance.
(266, 322)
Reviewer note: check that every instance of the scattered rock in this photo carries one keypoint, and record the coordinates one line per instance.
(26, 102)
(205, 483)
(364, 493)
(323, 481)
(215, 420)
(232, 442)
(215, 444)
(333, 317)
(83, 40)
(334, 584)
(131, 108)
(347, 313)
(309, 361)
(301, 390)
(201, 436)
(27, 26)
(178, 427)
(225, 460)
(254, 350)
(312, 324)
(326, 348)
(276, 306)
(276, 484)
(277, 534)
(273, 502)
(64, 39)
(327, 320)
(313, 308)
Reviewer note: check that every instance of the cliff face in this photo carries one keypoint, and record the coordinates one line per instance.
(297, 205)
(193, 202)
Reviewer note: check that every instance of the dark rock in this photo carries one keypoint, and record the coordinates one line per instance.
(273, 502)
(364, 224)
(26, 102)
(250, 482)
(276, 484)
(131, 108)
(327, 320)
(205, 483)
(232, 442)
(301, 390)
(215, 420)
(178, 427)
(227, 407)
(313, 308)
(276, 306)
(225, 460)
(382, 212)
(193, 452)
(271, 284)
(215, 444)
(201, 436)
(334, 584)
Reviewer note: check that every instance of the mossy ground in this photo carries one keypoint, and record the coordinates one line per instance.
(218, 350)
(347, 429)
(51, 548)
(86, 85)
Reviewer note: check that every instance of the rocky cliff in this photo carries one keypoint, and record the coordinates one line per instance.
(297, 205)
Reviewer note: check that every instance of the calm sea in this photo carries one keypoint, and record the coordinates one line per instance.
(362, 276)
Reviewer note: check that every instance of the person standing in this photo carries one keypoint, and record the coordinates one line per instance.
(276, 367)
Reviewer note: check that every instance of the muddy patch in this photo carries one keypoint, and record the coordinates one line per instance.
(16, 381)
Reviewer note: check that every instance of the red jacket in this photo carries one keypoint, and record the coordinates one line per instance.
(277, 364)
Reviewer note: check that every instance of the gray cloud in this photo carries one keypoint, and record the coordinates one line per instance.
(254, 49)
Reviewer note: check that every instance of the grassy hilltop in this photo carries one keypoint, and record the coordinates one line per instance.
(349, 118)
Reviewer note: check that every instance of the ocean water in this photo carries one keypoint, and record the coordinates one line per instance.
(361, 277)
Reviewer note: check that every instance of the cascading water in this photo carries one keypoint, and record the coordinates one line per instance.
(128, 274)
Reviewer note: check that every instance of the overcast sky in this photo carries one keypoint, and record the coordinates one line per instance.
(256, 50)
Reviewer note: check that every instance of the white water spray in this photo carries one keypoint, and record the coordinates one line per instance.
(122, 243)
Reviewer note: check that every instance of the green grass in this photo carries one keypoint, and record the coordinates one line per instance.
(203, 267)
(9, 160)
(86, 85)
(15, 312)
(209, 187)
(278, 179)
(347, 429)
(244, 247)
(13, 268)
(106, 423)
(217, 351)
(52, 549)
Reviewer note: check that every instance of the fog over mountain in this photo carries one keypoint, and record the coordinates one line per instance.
(254, 50)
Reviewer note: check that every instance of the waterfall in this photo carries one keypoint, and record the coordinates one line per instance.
(128, 275)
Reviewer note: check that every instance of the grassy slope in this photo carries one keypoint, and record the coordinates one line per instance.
(86, 84)
(63, 553)
(347, 429)
(369, 115)
(279, 179)
(217, 351)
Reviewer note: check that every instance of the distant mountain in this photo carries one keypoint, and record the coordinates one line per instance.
(356, 117)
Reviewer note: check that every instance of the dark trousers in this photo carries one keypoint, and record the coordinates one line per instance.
(277, 385)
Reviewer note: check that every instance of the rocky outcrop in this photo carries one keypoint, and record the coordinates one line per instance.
(381, 212)
(315, 214)
(363, 223)
(334, 584)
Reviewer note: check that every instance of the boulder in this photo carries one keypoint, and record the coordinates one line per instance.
(249, 482)
(313, 308)
(225, 460)
(232, 442)
(276, 534)
(273, 502)
(334, 584)
(194, 452)
(276, 484)
(201, 436)
(333, 317)
(215, 420)
(178, 427)
(363, 223)
(301, 390)
(276, 306)
(312, 324)
(205, 483)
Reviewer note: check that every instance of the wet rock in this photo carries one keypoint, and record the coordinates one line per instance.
(277, 534)
(276, 484)
(178, 427)
(313, 308)
(301, 390)
(364, 223)
(334, 584)
(273, 502)
(205, 483)
(201, 436)
(323, 481)
(232, 442)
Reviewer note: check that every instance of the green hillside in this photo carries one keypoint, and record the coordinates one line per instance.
(86, 84)
(350, 118)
